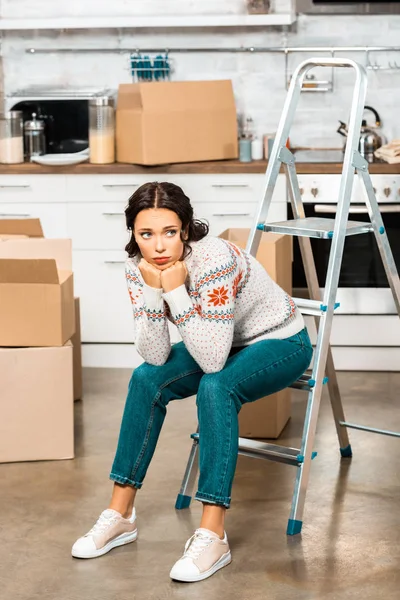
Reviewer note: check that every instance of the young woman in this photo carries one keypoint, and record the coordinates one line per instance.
(243, 338)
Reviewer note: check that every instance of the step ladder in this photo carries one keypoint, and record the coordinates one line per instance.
(336, 230)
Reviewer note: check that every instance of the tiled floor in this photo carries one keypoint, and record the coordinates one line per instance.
(349, 548)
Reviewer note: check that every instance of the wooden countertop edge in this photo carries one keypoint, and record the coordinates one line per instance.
(198, 168)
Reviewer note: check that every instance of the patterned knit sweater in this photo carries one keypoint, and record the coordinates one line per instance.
(228, 300)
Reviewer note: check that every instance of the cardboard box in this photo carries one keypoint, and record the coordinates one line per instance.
(275, 253)
(27, 247)
(77, 353)
(172, 122)
(37, 418)
(24, 227)
(36, 303)
(267, 417)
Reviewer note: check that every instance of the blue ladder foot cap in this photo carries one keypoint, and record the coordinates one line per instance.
(346, 452)
(182, 501)
(294, 527)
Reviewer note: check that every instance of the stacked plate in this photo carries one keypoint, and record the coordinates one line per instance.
(57, 160)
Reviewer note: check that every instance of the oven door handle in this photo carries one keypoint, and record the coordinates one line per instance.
(356, 210)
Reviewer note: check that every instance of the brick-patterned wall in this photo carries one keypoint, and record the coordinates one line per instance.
(258, 79)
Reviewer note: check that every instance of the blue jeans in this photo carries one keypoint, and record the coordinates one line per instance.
(250, 373)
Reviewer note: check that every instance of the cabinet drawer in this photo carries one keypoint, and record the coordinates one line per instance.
(108, 188)
(33, 188)
(97, 226)
(226, 215)
(233, 188)
(52, 216)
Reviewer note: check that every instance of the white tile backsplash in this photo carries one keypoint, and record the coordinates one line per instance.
(258, 79)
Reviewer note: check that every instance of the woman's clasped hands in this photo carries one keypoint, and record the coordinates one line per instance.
(168, 279)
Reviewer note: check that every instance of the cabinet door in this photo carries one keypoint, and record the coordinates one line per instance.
(99, 281)
(32, 188)
(53, 217)
(106, 310)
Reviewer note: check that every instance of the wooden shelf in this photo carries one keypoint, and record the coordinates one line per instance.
(148, 22)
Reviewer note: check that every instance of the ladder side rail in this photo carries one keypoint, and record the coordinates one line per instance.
(274, 163)
(315, 293)
(332, 278)
(381, 236)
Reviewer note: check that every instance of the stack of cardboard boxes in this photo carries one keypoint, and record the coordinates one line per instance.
(39, 344)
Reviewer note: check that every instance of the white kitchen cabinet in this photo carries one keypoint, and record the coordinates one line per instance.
(102, 188)
(97, 225)
(90, 210)
(106, 310)
(224, 215)
(99, 281)
(52, 216)
(32, 188)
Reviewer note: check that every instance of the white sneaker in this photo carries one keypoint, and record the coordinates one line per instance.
(110, 530)
(204, 554)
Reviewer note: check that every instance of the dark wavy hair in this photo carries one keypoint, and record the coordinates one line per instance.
(164, 195)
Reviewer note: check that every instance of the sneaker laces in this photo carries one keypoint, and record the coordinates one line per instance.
(108, 517)
(197, 544)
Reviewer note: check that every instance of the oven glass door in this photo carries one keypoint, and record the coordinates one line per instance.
(362, 265)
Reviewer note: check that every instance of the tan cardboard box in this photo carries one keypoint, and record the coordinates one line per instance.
(37, 418)
(36, 303)
(24, 227)
(267, 417)
(77, 353)
(173, 122)
(28, 247)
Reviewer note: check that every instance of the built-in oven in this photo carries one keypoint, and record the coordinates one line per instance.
(363, 285)
(339, 7)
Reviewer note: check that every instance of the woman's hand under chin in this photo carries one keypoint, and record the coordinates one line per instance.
(151, 275)
(174, 276)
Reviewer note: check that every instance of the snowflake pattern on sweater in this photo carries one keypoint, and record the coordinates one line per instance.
(228, 300)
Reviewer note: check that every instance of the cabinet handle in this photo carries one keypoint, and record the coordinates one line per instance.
(14, 215)
(114, 262)
(234, 185)
(113, 214)
(5, 186)
(113, 185)
(231, 214)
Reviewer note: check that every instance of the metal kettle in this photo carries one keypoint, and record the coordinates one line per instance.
(371, 137)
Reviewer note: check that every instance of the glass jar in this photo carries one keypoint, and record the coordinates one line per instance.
(11, 138)
(35, 141)
(101, 130)
(258, 7)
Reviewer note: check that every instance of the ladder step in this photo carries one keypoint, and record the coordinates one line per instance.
(313, 307)
(315, 227)
(256, 449)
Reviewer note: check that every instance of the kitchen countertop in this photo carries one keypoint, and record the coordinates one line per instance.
(209, 167)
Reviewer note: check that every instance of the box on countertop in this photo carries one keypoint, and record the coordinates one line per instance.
(37, 410)
(176, 121)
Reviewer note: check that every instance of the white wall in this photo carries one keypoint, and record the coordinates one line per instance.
(258, 79)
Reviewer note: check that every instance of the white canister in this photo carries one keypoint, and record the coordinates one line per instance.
(257, 149)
